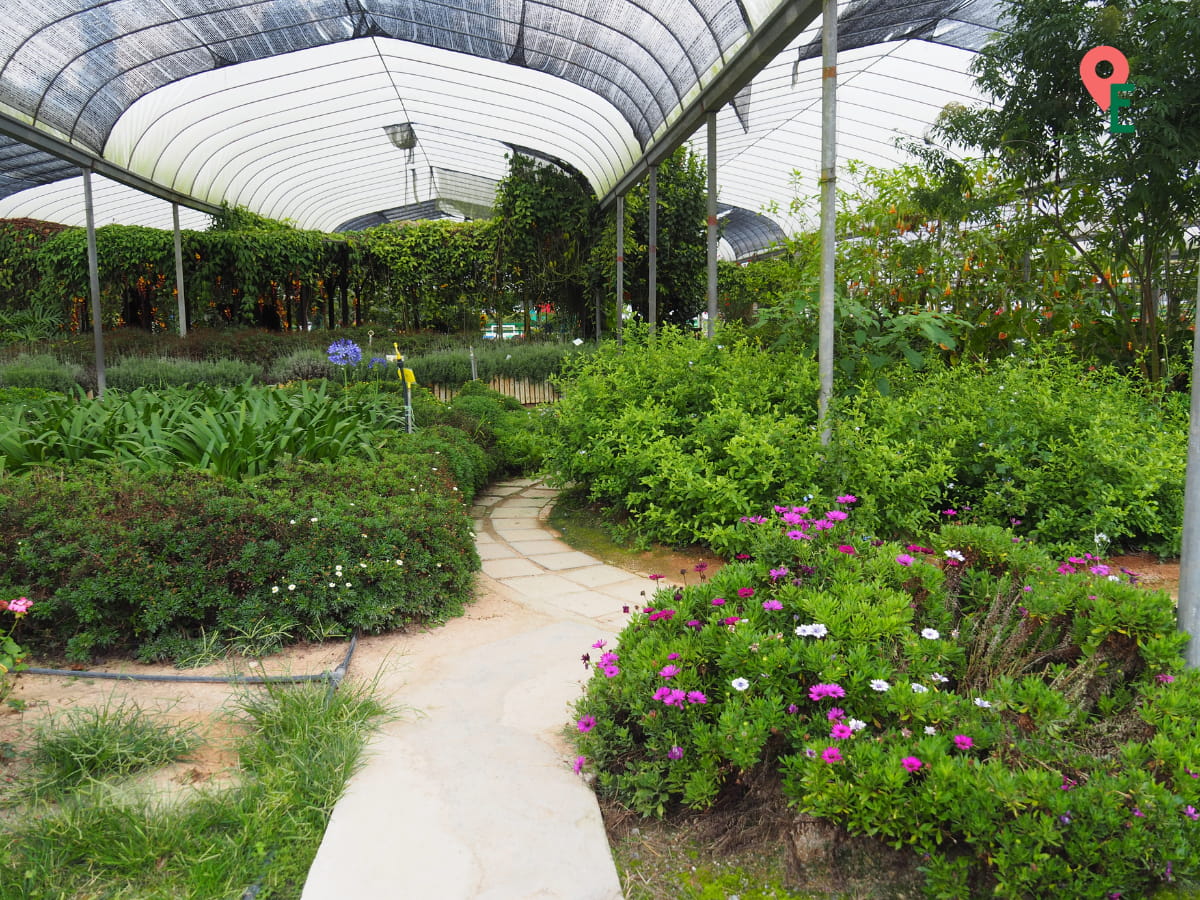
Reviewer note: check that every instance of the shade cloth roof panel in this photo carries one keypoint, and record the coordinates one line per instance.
(280, 105)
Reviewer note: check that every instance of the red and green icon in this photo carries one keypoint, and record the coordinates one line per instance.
(1109, 91)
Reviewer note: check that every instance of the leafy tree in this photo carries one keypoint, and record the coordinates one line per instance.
(682, 242)
(547, 219)
(1122, 201)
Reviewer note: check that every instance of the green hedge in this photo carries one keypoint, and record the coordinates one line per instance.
(686, 435)
(147, 562)
(134, 372)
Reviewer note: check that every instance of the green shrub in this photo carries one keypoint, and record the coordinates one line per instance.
(162, 372)
(302, 365)
(13, 398)
(43, 372)
(1074, 453)
(1028, 733)
(144, 561)
(685, 435)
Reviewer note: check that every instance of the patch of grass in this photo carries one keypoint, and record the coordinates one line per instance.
(113, 740)
(303, 743)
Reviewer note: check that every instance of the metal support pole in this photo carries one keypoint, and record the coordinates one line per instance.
(179, 272)
(712, 223)
(620, 265)
(94, 282)
(474, 366)
(1189, 561)
(652, 251)
(828, 213)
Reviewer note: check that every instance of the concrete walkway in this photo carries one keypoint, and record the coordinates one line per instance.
(470, 795)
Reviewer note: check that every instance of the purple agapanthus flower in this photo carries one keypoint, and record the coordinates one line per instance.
(345, 352)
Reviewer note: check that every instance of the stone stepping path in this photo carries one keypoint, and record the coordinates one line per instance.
(469, 795)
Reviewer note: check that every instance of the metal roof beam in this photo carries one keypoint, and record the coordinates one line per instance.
(767, 42)
(39, 140)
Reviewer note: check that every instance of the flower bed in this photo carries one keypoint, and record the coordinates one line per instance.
(1025, 731)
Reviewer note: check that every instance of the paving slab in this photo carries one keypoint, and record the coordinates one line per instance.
(526, 531)
(533, 548)
(572, 559)
(496, 550)
(510, 568)
(596, 576)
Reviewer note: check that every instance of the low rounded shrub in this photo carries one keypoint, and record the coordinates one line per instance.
(43, 372)
(1021, 723)
(117, 560)
(162, 372)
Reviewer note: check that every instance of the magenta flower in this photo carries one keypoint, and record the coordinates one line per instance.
(799, 536)
(676, 698)
(599, 645)
(718, 601)
(742, 556)
(696, 697)
(662, 693)
(694, 623)
(657, 577)
(963, 742)
(837, 515)
(20, 605)
(744, 593)
(911, 763)
(835, 713)
(847, 549)
(732, 620)
(792, 518)
(846, 498)
(579, 763)
(608, 659)
(671, 656)
(1190, 812)
(904, 559)
(1164, 678)
(776, 574)
(667, 614)
(949, 512)
(1098, 569)
(832, 755)
(1065, 569)
(771, 605)
(586, 724)
(611, 671)
(700, 567)
(669, 671)
(675, 753)
(792, 709)
(840, 731)
(821, 691)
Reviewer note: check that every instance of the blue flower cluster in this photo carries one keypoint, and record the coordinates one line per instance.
(345, 352)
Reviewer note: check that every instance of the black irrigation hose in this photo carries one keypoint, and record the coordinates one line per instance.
(334, 678)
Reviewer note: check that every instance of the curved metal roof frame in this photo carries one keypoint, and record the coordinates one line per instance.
(280, 105)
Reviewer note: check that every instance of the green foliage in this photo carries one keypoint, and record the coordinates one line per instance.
(302, 365)
(41, 372)
(231, 432)
(89, 743)
(150, 561)
(534, 362)
(301, 748)
(682, 242)
(1125, 200)
(1070, 451)
(139, 372)
(686, 435)
(547, 224)
(1027, 733)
